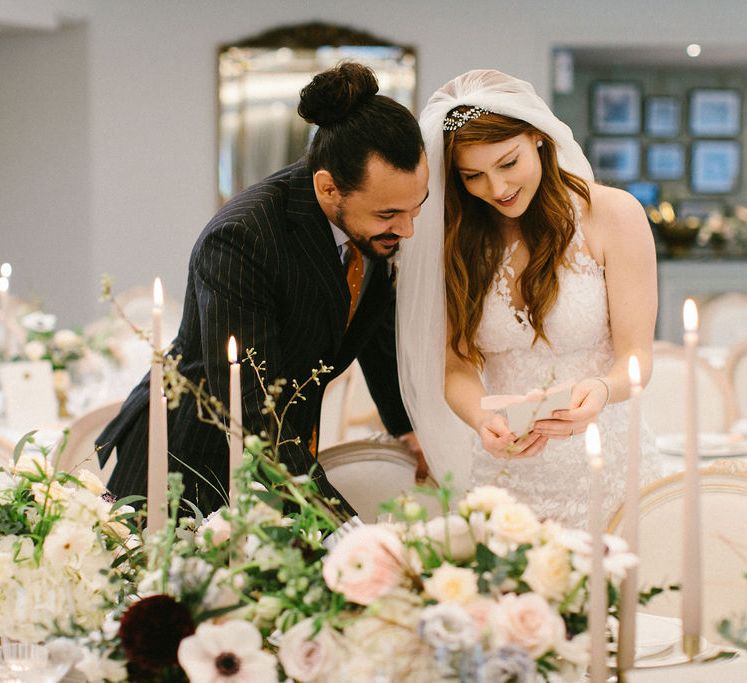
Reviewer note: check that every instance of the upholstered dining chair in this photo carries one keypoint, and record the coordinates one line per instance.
(663, 400)
(723, 320)
(723, 503)
(80, 451)
(369, 472)
(736, 374)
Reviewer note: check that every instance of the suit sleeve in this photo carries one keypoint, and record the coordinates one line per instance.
(378, 360)
(234, 277)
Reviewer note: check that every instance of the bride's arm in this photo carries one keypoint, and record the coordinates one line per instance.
(622, 240)
(463, 391)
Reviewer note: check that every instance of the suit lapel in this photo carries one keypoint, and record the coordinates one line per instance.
(312, 237)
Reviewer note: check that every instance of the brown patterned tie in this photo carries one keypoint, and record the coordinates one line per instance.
(354, 276)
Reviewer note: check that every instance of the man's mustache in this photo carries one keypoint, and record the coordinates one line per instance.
(388, 236)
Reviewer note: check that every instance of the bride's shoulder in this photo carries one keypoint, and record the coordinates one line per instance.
(612, 207)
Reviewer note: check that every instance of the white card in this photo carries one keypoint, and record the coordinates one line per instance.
(522, 415)
(28, 390)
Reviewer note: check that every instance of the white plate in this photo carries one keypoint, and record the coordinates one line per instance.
(710, 445)
(655, 635)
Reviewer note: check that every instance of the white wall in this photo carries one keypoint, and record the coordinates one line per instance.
(149, 73)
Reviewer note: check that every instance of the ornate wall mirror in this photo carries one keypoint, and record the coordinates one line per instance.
(259, 80)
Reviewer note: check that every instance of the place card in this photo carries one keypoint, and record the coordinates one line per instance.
(29, 397)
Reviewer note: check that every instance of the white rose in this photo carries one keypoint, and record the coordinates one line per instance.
(526, 621)
(452, 535)
(91, 482)
(307, 657)
(514, 523)
(66, 340)
(217, 525)
(548, 571)
(34, 350)
(488, 498)
(452, 584)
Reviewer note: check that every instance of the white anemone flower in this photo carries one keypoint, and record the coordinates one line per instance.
(229, 652)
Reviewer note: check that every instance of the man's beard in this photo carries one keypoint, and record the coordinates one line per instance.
(366, 245)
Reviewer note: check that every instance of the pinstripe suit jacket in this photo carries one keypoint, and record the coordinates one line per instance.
(266, 270)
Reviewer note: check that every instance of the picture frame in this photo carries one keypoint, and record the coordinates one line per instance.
(665, 161)
(615, 159)
(715, 166)
(646, 192)
(715, 112)
(662, 116)
(616, 107)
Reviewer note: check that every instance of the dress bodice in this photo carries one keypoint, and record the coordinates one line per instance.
(577, 326)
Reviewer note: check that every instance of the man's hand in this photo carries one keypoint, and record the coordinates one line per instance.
(421, 470)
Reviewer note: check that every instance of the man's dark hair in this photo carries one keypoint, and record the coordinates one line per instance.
(354, 123)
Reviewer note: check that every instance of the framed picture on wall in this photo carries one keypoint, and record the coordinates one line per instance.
(665, 161)
(646, 192)
(662, 116)
(615, 159)
(715, 166)
(616, 108)
(715, 112)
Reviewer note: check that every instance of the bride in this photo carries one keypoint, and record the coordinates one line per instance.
(522, 273)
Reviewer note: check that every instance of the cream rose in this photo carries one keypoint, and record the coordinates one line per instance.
(452, 584)
(306, 657)
(366, 564)
(548, 571)
(452, 535)
(526, 621)
(34, 350)
(514, 523)
(487, 498)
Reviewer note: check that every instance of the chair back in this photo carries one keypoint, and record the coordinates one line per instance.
(736, 374)
(368, 473)
(723, 509)
(663, 400)
(723, 320)
(80, 451)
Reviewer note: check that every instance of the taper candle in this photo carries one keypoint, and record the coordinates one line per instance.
(5, 312)
(691, 558)
(629, 588)
(157, 430)
(598, 587)
(236, 449)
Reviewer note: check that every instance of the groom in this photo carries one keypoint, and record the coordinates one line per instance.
(295, 267)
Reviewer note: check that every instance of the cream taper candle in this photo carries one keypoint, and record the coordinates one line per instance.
(157, 429)
(691, 558)
(236, 449)
(629, 588)
(598, 587)
(5, 313)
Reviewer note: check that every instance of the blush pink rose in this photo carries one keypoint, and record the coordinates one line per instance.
(366, 564)
(526, 621)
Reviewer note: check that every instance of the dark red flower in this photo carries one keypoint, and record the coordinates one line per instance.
(151, 630)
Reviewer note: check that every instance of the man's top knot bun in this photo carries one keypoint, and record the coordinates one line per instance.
(335, 94)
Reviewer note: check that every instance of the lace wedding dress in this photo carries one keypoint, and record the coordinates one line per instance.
(555, 483)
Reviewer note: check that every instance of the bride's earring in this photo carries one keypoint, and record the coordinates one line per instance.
(539, 143)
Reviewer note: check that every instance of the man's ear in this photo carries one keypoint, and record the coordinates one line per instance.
(325, 188)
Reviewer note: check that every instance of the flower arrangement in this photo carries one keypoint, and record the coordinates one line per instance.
(63, 549)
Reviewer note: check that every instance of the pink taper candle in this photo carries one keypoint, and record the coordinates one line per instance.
(629, 588)
(598, 588)
(691, 558)
(235, 450)
(157, 432)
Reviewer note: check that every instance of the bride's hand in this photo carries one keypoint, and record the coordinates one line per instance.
(501, 442)
(588, 397)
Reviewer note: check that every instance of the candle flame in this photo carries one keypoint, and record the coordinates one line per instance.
(593, 441)
(690, 316)
(157, 293)
(634, 370)
(4, 284)
(6, 270)
(232, 354)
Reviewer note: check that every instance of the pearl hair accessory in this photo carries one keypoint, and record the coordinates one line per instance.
(456, 119)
